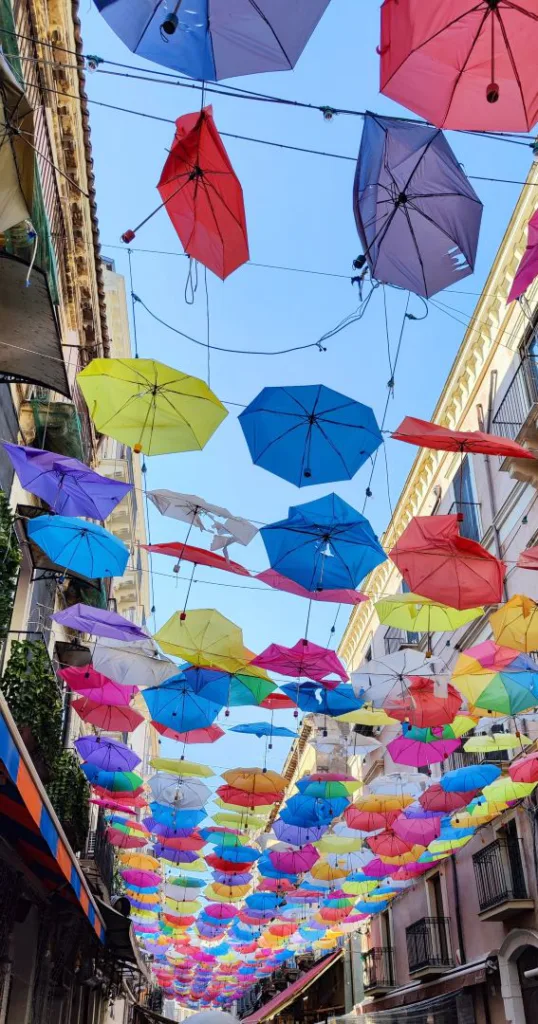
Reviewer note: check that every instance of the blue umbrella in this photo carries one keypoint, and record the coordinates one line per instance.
(76, 544)
(262, 729)
(212, 39)
(323, 545)
(174, 705)
(473, 776)
(210, 683)
(309, 434)
(308, 810)
(312, 697)
(176, 819)
(237, 854)
(263, 901)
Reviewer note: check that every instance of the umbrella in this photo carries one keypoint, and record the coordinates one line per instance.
(114, 781)
(99, 622)
(417, 215)
(150, 406)
(96, 687)
(342, 596)
(436, 799)
(433, 435)
(79, 545)
(214, 41)
(111, 755)
(303, 659)
(125, 840)
(198, 556)
(505, 790)
(68, 486)
(416, 831)
(181, 767)
(207, 734)
(464, 67)
(203, 637)
(420, 747)
(191, 509)
(324, 544)
(437, 563)
(496, 678)
(263, 729)
(310, 697)
(277, 702)
(527, 270)
(420, 615)
(524, 770)
(136, 664)
(392, 675)
(496, 742)
(421, 706)
(255, 780)
(515, 624)
(369, 821)
(175, 705)
(111, 718)
(309, 434)
(470, 777)
(239, 798)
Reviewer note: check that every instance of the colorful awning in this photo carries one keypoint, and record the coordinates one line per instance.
(29, 824)
(283, 999)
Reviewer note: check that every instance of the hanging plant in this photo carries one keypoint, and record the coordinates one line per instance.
(68, 792)
(31, 690)
(10, 559)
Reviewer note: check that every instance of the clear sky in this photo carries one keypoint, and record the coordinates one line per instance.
(299, 214)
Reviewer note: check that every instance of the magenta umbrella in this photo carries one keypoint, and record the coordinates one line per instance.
(140, 878)
(376, 868)
(418, 754)
(292, 862)
(125, 840)
(417, 831)
(96, 687)
(277, 581)
(304, 659)
(99, 622)
(221, 911)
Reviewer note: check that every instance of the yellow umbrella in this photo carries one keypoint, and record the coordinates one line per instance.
(447, 845)
(182, 907)
(150, 406)
(497, 741)
(515, 624)
(234, 818)
(326, 872)
(405, 858)
(338, 844)
(219, 892)
(142, 897)
(255, 780)
(139, 861)
(358, 888)
(197, 865)
(472, 819)
(504, 790)
(176, 766)
(420, 615)
(382, 803)
(367, 716)
(203, 637)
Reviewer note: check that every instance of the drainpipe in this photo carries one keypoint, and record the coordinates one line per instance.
(485, 425)
(459, 924)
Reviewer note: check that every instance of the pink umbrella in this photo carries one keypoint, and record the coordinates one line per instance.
(417, 754)
(419, 831)
(528, 559)
(111, 805)
(275, 580)
(410, 871)
(210, 734)
(292, 862)
(304, 659)
(377, 869)
(436, 799)
(106, 716)
(221, 911)
(525, 770)
(141, 879)
(528, 268)
(124, 840)
(98, 688)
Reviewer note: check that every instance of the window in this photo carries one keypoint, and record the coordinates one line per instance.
(412, 638)
(465, 502)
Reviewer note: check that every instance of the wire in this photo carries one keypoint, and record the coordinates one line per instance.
(249, 263)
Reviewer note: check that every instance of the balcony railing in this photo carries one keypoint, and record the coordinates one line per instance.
(460, 759)
(99, 850)
(499, 875)
(428, 944)
(521, 397)
(378, 968)
(394, 639)
(470, 525)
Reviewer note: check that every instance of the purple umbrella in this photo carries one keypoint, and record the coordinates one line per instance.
(176, 856)
(67, 485)
(417, 214)
(110, 755)
(99, 622)
(242, 878)
(298, 835)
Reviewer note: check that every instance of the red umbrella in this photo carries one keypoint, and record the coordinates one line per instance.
(231, 795)
(207, 735)
(463, 64)
(436, 799)
(421, 707)
(188, 553)
(203, 196)
(106, 716)
(436, 562)
(432, 435)
(219, 864)
(388, 844)
(129, 800)
(369, 821)
(277, 702)
(525, 770)
(125, 841)
(528, 559)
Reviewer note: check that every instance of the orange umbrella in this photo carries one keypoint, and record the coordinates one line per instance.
(255, 780)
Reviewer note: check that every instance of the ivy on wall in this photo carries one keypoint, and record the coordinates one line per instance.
(68, 792)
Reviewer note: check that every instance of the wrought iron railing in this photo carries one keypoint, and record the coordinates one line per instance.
(101, 852)
(518, 401)
(460, 759)
(428, 944)
(378, 968)
(470, 523)
(499, 874)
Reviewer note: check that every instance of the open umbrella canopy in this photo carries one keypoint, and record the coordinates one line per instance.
(420, 615)
(255, 780)
(421, 747)
(111, 718)
(207, 734)
(99, 622)
(515, 624)
(263, 729)
(391, 675)
(465, 67)
(340, 596)
(106, 753)
(198, 556)
(304, 659)
(150, 406)
(309, 434)
(413, 206)
(96, 687)
(470, 777)
(496, 678)
(528, 267)
(68, 486)
(421, 706)
(211, 40)
(113, 781)
(495, 742)
(433, 435)
(203, 637)
(175, 706)
(79, 545)
(436, 562)
(132, 664)
(179, 791)
(181, 767)
(525, 769)
(310, 697)
(324, 544)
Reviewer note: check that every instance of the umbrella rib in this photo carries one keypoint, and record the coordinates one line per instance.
(440, 31)
(513, 63)
(271, 29)
(415, 243)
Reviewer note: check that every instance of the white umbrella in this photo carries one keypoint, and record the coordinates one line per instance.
(179, 791)
(137, 664)
(389, 676)
(181, 893)
(191, 509)
(410, 784)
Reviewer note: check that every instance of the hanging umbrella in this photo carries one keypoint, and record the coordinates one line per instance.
(303, 659)
(524, 770)
(341, 596)
(515, 624)
(470, 777)
(369, 821)
(239, 798)
(383, 803)
(367, 715)
(324, 544)
(214, 41)
(417, 215)
(125, 840)
(68, 486)
(277, 702)
(111, 718)
(96, 687)
(496, 742)
(208, 734)
(190, 508)
(420, 706)
(506, 790)
(186, 793)
(421, 747)
(99, 622)
(260, 729)
(496, 678)
(198, 556)
(150, 406)
(255, 780)
(464, 67)
(309, 434)
(79, 545)
(436, 799)
(419, 615)
(416, 831)
(437, 563)
(527, 270)
(174, 705)
(433, 435)
(135, 664)
(111, 755)
(203, 637)
(113, 781)
(181, 767)
(392, 675)
(310, 697)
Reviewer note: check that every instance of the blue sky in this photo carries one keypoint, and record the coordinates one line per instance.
(299, 214)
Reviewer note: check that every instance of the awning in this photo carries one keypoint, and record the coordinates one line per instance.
(30, 826)
(17, 154)
(283, 999)
(391, 1007)
(120, 939)
(30, 344)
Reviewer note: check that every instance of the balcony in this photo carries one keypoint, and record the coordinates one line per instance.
(378, 969)
(428, 947)
(98, 860)
(517, 418)
(470, 524)
(56, 426)
(396, 639)
(500, 880)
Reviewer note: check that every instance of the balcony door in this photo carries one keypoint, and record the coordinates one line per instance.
(438, 933)
(528, 961)
(465, 501)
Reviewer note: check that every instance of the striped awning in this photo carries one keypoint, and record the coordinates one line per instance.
(292, 992)
(29, 824)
